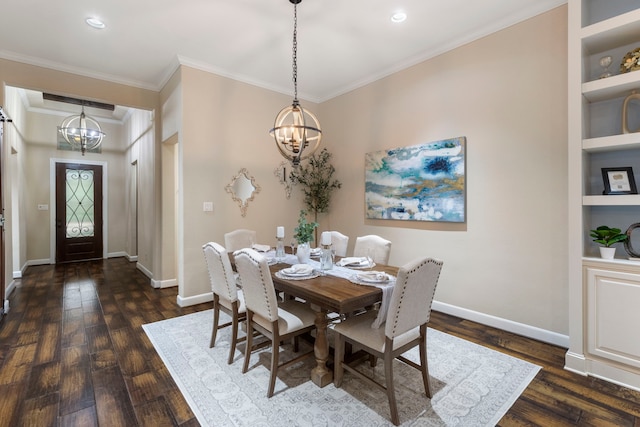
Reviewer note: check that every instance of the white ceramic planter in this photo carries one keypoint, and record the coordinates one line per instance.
(607, 253)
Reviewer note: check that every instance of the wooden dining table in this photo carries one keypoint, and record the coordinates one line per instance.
(328, 294)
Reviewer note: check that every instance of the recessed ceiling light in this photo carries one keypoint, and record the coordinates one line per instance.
(95, 23)
(398, 17)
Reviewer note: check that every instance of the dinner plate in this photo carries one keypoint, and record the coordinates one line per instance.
(311, 275)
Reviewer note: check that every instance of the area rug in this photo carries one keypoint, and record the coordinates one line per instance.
(472, 385)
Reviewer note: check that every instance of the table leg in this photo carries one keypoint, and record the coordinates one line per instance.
(321, 375)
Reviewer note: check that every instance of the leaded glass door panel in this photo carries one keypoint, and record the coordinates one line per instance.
(78, 212)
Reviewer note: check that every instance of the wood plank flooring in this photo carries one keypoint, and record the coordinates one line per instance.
(73, 353)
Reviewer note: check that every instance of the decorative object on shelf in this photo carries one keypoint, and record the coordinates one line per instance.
(605, 61)
(284, 177)
(243, 188)
(627, 243)
(607, 236)
(424, 182)
(316, 179)
(625, 112)
(618, 181)
(82, 132)
(631, 61)
(296, 131)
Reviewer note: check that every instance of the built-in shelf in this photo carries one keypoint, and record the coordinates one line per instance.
(611, 87)
(626, 141)
(617, 31)
(612, 200)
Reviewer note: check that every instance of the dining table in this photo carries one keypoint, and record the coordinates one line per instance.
(328, 292)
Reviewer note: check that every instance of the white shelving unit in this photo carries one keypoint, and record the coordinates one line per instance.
(604, 295)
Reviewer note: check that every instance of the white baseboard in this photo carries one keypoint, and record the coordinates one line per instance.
(9, 289)
(132, 258)
(144, 270)
(504, 324)
(158, 284)
(117, 254)
(194, 300)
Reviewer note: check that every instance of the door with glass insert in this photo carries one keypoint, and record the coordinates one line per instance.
(78, 212)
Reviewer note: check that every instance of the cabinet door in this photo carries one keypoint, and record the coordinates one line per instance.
(613, 315)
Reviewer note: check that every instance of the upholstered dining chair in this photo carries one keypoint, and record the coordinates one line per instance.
(339, 243)
(405, 327)
(238, 239)
(278, 321)
(374, 246)
(226, 296)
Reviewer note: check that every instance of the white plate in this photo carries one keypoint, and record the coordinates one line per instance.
(312, 275)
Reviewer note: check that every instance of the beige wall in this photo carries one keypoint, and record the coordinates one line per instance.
(507, 94)
(224, 128)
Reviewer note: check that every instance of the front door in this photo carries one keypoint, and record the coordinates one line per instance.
(78, 212)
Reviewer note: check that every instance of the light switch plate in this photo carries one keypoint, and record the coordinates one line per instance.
(207, 206)
(43, 207)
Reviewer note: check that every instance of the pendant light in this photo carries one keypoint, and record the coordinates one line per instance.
(82, 132)
(296, 131)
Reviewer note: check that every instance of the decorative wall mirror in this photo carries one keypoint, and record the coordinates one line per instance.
(242, 189)
(283, 173)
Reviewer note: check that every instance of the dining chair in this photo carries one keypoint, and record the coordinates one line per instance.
(278, 321)
(339, 243)
(405, 327)
(238, 239)
(226, 296)
(374, 246)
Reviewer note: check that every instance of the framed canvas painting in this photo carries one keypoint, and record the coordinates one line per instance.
(424, 182)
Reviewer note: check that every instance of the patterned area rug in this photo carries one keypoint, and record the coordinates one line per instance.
(472, 385)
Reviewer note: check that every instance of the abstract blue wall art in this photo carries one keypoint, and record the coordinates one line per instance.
(424, 182)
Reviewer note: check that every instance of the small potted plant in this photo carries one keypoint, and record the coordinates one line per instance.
(607, 236)
(303, 234)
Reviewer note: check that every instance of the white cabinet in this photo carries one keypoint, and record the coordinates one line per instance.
(612, 314)
(604, 296)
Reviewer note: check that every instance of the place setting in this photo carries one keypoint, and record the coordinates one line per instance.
(297, 272)
(372, 278)
(356, 262)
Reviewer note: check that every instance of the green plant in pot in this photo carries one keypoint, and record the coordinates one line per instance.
(303, 234)
(607, 236)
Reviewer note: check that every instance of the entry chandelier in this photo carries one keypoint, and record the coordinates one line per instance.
(296, 131)
(82, 132)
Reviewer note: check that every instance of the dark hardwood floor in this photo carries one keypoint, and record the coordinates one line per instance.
(73, 353)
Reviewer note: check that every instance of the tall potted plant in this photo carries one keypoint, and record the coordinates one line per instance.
(607, 236)
(303, 234)
(316, 179)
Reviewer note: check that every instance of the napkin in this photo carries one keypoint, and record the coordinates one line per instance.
(353, 261)
(261, 248)
(373, 276)
(298, 270)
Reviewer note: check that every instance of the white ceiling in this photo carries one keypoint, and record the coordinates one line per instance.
(341, 44)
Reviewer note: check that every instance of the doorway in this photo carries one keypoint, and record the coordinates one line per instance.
(78, 222)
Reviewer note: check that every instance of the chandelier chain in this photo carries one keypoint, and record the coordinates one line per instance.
(295, 52)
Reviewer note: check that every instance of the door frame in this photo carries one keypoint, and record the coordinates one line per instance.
(52, 203)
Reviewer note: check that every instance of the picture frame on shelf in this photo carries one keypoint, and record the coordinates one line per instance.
(619, 181)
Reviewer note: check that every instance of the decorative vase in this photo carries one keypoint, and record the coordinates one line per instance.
(607, 253)
(303, 252)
